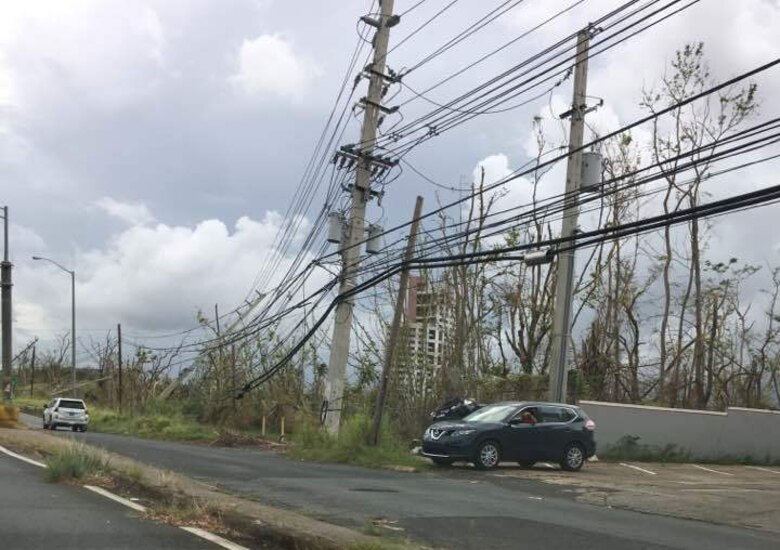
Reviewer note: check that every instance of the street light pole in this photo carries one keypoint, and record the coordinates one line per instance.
(72, 274)
(73, 330)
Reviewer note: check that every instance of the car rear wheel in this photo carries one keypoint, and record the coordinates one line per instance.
(573, 457)
(488, 456)
(439, 461)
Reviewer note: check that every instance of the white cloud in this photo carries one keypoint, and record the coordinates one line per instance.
(496, 167)
(150, 278)
(80, 47)
(131, 213)
(268, 67)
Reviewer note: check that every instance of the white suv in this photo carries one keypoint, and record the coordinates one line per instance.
(64, 411)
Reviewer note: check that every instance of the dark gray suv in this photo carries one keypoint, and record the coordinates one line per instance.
(523, 432)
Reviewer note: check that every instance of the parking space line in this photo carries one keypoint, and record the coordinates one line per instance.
(638, 469)
(711, 470)
(763, 469)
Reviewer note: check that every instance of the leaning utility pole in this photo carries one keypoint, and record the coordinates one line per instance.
(395, 328)
(350, 256)
(565, 283)
(32, 372)
(119, 363)
(5, 316)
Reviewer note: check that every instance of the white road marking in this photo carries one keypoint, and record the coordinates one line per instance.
(216, 539)
(638, 469)
(22, 458)
(211, 537)
(535, 498)
(763, 469)
(711, 470)
(116, 498)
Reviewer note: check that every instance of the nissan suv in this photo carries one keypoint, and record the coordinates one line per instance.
(65, 411)
(523, 432)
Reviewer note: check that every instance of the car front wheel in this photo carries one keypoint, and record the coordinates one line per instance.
(488, 456)
(573, 457)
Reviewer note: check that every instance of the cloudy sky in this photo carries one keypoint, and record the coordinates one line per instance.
(154, 145)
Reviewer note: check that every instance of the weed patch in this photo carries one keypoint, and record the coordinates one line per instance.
(628, 447)
(310, 442)
(75, 461)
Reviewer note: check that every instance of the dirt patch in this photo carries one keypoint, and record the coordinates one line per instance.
(735, 495)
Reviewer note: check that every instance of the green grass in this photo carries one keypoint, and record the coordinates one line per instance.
(152, 426)
(75, 461)
(629, 448)
(161, 421)
(310, 442)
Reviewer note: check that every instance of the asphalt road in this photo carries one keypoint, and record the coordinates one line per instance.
(459, 510)
(37, 515)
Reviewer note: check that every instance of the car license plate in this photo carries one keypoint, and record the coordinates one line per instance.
(72, 414)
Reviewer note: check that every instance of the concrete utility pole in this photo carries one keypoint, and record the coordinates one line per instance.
(565, 284)
(342, 326)
(395, 327)
(5, 317)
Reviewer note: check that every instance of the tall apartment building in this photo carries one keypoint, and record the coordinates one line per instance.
(426, 328)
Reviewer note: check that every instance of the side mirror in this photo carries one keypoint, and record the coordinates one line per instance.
(515, 421)
(45, 405)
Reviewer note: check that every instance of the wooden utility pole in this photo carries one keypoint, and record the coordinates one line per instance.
(361, 192)
(565, 284)
(395, 327)
(32, 372)
(119, 362)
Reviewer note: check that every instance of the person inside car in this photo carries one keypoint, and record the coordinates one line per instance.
(528, 417)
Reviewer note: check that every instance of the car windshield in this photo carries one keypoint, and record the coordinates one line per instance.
(65, 404)
(491, 413)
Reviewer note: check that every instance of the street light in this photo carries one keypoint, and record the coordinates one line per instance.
(72, 317)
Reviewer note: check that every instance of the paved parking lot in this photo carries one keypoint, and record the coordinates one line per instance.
(737, 495)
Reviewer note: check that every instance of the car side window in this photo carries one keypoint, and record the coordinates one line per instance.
(567, 415)
(556, 415)
(548, 415)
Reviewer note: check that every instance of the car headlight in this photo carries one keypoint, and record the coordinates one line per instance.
(462, 433)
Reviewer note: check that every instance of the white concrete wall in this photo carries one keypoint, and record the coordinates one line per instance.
(705, 434)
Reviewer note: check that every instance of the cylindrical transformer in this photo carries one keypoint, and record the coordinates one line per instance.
(591, 172)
